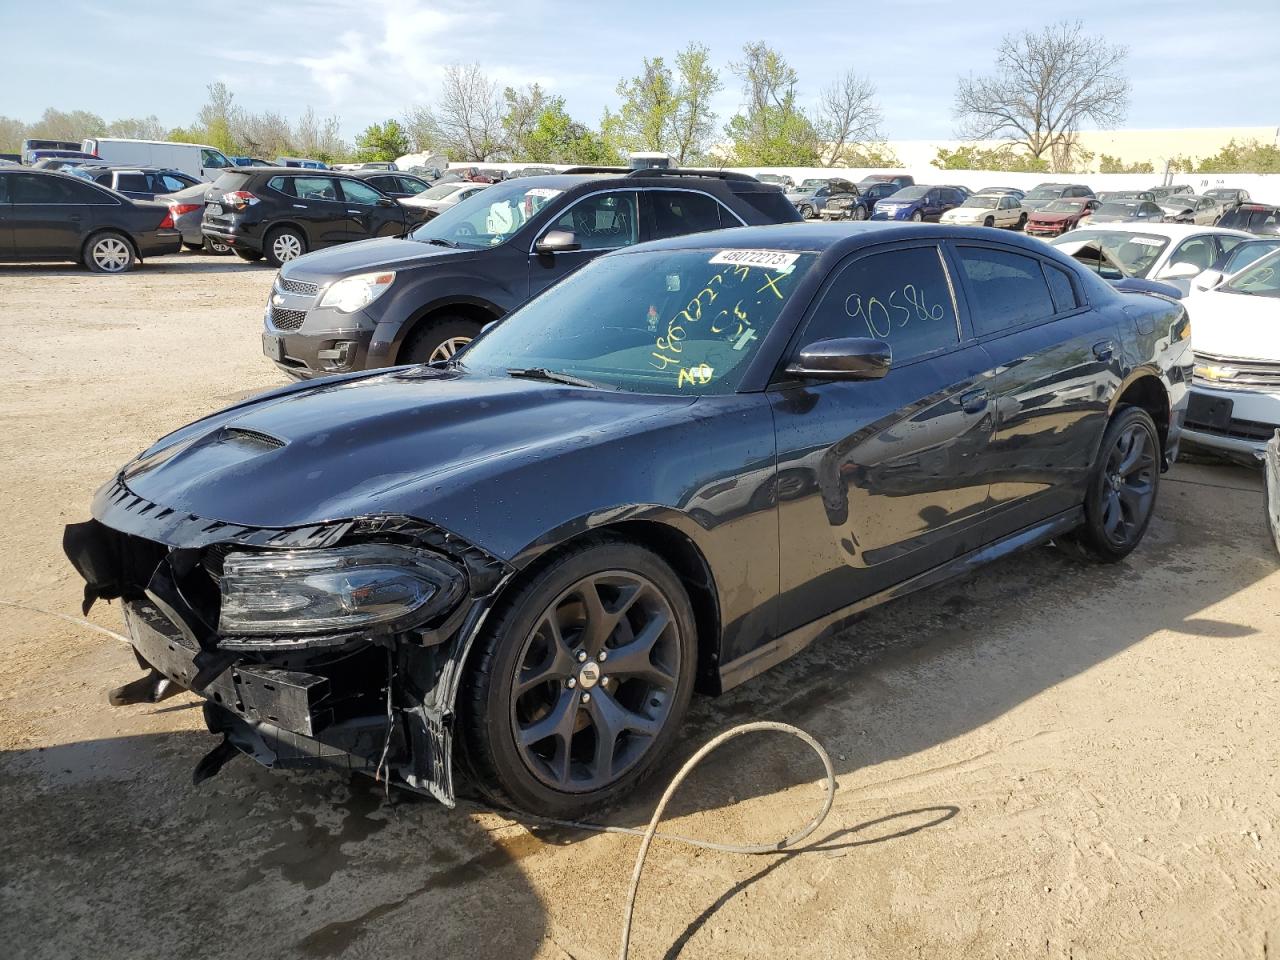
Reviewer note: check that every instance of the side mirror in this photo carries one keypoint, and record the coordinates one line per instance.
(1207, 280)
(386, 202)
(557, 241)
(1179, 271)
(854, 358)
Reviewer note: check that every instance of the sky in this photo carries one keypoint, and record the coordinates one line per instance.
(1192, 64)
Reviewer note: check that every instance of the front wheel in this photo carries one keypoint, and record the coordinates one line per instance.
(859, 213)
(439, 341)
(989, 222)
(1022, 222)
(1122, 491)
(580, 682)
(917, 217)
(806, 212)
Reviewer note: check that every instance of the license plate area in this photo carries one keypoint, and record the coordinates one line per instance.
(273, 346)
(214, 209)
(1212, 412)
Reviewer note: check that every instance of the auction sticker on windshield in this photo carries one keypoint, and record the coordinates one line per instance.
(769, 259)
(547, 192)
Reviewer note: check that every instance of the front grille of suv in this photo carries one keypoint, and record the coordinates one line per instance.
(300, 287)
(287, 319)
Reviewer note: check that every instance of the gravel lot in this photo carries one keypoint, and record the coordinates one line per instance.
(1045, 760)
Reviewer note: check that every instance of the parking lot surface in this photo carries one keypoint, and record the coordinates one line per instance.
(1046, 759)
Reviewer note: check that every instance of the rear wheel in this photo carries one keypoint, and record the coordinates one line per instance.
(216, 247)
(581, 681)
(1022, 222)
(109, 252)
(1122, 492)
(284, 244)
(439, 340)
(859, 213)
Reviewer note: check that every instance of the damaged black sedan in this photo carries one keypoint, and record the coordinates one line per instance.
(669, 472)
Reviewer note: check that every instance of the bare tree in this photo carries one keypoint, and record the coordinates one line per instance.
(420, 125)
(848, 116)
(469, 114)
(1044, 86)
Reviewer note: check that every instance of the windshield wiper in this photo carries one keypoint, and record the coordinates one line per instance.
(441, 242)
(550, 376)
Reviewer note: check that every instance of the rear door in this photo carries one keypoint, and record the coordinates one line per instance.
(599, 222)
(879, 480)
(675, 213)
(366, 215)
(1054, 365)
(47, 219)
(6, 218)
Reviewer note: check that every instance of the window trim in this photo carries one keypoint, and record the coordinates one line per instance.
(343, 181)
(1082, 302)
(556, 215)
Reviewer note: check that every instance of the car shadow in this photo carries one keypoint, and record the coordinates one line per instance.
(169, 264)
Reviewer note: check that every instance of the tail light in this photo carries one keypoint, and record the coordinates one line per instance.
(239, 199)
(178, 209)
(167, 222)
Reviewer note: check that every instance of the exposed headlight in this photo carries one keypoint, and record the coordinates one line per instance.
(355, 293)
(374, 585)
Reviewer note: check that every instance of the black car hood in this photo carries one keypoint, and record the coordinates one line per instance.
(363, 256)
(439, 445)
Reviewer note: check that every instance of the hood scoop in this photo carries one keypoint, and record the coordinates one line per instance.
(253, 438)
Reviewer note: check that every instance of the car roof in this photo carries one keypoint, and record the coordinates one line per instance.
(1174, 231)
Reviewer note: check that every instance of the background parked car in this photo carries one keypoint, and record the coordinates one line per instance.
(32, 144)
(1044, 194)
(780, 179)
(1172, 253)
(393, 184)
(283, 212)
(1262, 219)
(988, 210)
(485, 255)
(899, 180)
(66, 163)
(1058, 216)
(918, 203)
(53, 216)
(187, 209)
(1002, 192)
(1169, 190)
(198, 160)
(1189, 208)
(1113, 195)
(857, 203)
(42, 158)
(1228, 197)
(1122, 211)
(531, 172)
(1233, 261)
(811, 196)
(303, 162)
(437, 199)
(251, 162)
(136, 183)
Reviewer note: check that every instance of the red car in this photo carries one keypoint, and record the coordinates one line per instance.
(1060, 216)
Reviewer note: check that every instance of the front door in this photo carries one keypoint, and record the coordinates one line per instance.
(599, 222)
(366, 217)
(1055, 364)
(879, 480)
(46, 218)
(320, 208)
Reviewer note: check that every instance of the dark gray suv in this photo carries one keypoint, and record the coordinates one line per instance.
(423, 297)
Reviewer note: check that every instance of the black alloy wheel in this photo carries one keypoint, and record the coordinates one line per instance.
(1122, 492)
(583, 681)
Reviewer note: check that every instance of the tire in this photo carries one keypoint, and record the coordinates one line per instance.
(1022, 222)
(109, 252)
(215, 247)
(249, 256)
(989, 222)
(283, 244)
(438, 340)
(566, 772)
(917, 217)
(859, 213)
(192, 246)
(1122, 490)
(806, 212)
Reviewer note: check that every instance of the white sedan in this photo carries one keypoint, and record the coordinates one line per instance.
(987, 210)
(436, 200)
(1172, 253)
(1235, 387)
(1188, 208)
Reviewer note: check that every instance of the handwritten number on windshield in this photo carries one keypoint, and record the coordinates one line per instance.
(877, 315)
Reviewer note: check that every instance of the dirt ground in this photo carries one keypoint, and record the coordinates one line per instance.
(1044, 760)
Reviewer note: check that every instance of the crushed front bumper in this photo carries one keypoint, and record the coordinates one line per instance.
(361, 703)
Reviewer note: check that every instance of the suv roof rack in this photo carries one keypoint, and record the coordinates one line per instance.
(667, 172)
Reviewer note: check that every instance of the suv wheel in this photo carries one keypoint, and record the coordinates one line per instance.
(439, 340)
(1122, 491)
(859, 213)
(580, 682)
(216, 247)
(284, 244)
(109, 253)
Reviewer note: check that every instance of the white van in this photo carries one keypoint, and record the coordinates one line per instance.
(196, 159)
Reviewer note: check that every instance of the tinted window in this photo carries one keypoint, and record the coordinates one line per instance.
(1005, 289)
(1060, 285)
(33, 188)
(314, 188)
(901, 297)
(136, 182)
(357, 192)
(678, 213)
(775, 207)
(212, 158)
(170, 182)
(4, 189)
(83, 193)
(411, 186)
(602, 221)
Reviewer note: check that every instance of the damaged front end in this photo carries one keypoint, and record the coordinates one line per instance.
(338, 643)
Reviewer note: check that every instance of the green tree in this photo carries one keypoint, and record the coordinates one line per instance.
(1249, 156)
(1110, 164)
(645, 119)
(12, 132)
(771, 130)
(556, 137)
(217, 117)
(382, 141)
(76, 125)
(974, 157)
(523, 110)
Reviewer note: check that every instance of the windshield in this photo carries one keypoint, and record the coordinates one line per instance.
(487, 218)
(1063, 206)
(443, 190)
(910, 193)
(665, 321)
(1134, 253)
(812, 184)
(1044, 193)
(1220, 193)
(987, 202)
(1248, 252)
(1262, 279)
(1119, 209)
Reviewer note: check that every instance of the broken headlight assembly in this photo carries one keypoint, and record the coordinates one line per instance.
(373, 587)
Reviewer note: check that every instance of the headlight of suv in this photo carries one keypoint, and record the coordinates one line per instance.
(377, 586)
(355, 293)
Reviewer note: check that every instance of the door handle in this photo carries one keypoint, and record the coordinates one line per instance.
(1104, 350)
(975, 401)
(356, 212)
(300, 206)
